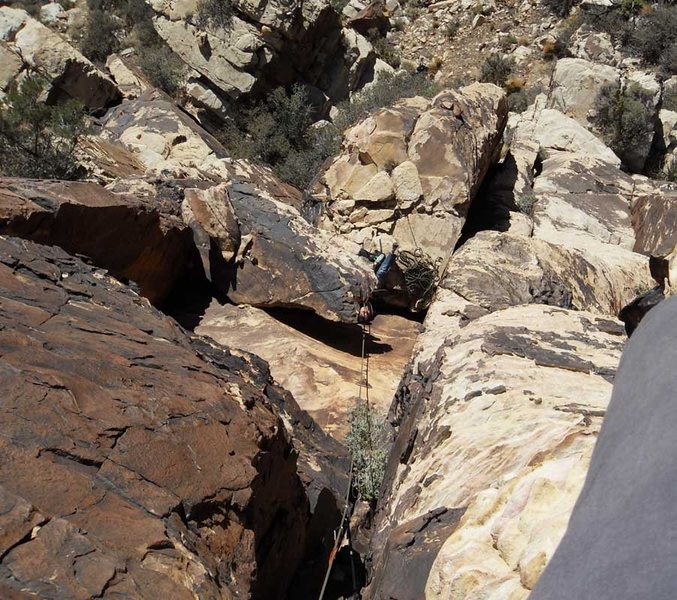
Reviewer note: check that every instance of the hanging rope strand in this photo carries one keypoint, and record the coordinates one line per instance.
(343, 527)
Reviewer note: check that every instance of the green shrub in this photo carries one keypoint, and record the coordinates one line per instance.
(384, 49)
(668, 60)
(518, 101)
(560, 7)
(214, 13)
(38, 140)
(669, 170)
(367, 448)
(670, 99)
(496, 69)
(163, 68)
(32, 7)
(279, 132)
(99, 39)
(451, 29)
(339, 5)
(384, 92)
(525, 203)
(656, 35)
(623, 118)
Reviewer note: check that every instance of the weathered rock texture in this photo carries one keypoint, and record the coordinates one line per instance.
(319, 362)
(412, 170)
(164, 139)
(267, 44)
(138, 462)
(496, 420)
(495, 427)
(25, 43)
(655, 220)
(144, 242)
(285, 262)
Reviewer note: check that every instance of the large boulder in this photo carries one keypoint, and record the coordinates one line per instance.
(283, 261)
(493, 271)
(164, 139)
(265, 45)
(319, 362)
(495, 421)
(145, 242)
(25, 43)
(576, 85)
(496, 428)
(555, 132)
(412, 170)
(654, 218)
(138, 461)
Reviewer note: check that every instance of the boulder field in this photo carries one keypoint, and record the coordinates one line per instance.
(179, 340)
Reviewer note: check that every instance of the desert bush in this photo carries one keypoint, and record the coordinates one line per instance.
(38, 140)
(670, 99)
(384, 92)
(669, 169)
(384, 49)
(163, 68)
(32, 7)
(525, 203)
(623, 117)
(339, 5)
(365, 441)
(451, 29)
(214, 13)
(496, 69)
(560, 7)
(99, 38)
(279, 132)
(655, 35)
(520, 99)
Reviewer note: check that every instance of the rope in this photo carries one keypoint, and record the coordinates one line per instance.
(343, 528)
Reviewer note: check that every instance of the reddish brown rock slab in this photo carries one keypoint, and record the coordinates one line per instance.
(654, 219)
(137, 461)
(318, 361)
(134, 240)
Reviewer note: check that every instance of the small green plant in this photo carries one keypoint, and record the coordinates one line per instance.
(560, 7)
(656, 35)
(525, 203)
(215, 13)
(100, 35)
(520, 100)
(385, 92)
(366, 444)
(670, 98)
(669, 170)
(339, 5)
(451, 29)
(624, 118)
(508, 41)
(163, 68)
(38, 140)
(279, 132)
(384, 49)
(496, 69)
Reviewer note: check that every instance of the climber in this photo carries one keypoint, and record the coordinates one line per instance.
(382, 262)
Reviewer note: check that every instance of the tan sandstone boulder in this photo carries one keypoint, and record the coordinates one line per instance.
(25, 41)
(413, 169)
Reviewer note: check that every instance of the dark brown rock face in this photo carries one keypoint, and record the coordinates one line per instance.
(132, 239)
(137, 462)
(654, 219)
